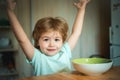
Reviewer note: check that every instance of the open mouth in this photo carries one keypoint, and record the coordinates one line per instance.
(51, 49)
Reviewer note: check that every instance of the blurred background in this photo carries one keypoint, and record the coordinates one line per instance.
(94, 40)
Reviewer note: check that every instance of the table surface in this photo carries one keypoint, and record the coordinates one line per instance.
(112, 74)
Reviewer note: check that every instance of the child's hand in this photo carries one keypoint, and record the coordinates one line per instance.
(81, 4)
(11, 4)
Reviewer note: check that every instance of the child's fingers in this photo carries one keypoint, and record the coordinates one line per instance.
(81, 3)
(88, 1)
(11, 4)
(78, 5)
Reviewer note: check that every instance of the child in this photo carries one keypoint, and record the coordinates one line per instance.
(51, 52)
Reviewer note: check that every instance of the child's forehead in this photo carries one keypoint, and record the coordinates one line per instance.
(51, 33)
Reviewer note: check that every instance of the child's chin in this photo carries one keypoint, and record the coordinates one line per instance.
(51, 54)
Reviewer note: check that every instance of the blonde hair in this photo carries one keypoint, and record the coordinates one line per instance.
(50, 24)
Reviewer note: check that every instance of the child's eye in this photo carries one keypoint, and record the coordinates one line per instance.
(46, 39)
(57, 39)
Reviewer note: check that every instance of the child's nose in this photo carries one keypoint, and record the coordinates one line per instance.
(51, 43)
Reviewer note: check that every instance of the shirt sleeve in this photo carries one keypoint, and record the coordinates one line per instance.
(34, 59)
(67, 49)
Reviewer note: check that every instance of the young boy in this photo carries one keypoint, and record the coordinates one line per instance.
(51, 52)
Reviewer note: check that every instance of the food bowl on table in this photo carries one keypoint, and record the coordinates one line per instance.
(92, 66)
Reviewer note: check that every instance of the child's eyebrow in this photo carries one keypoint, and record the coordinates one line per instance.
(45, 37)
(58, 37)
(49, 37)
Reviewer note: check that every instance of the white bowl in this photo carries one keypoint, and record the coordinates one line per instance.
(92, 66)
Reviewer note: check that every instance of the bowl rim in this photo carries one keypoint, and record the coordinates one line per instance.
(108, 62)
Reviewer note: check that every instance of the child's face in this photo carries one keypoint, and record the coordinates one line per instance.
(50, 43)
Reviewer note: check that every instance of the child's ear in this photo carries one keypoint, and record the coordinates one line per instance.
(38, 47)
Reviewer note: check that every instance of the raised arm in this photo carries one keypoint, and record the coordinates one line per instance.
(18, 31)
(78, 23)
